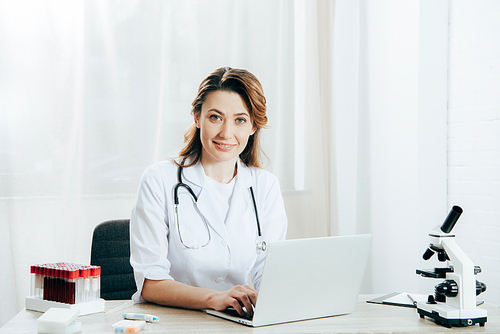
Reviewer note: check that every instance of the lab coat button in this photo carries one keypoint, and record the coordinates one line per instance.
(224, 243)
(218, 279)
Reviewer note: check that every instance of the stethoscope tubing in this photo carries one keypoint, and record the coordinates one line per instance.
(256, 212)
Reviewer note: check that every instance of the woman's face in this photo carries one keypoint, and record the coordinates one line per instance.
(225, 126)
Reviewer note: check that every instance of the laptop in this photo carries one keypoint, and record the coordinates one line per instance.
(307, 279)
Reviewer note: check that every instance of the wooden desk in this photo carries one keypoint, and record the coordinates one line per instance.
(368, 318)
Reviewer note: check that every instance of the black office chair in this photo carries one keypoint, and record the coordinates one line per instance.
(111, 251)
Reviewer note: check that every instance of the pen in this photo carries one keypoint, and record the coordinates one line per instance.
(145, 317)
(412, 300)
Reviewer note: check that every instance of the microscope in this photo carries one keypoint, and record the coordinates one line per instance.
(454, 299)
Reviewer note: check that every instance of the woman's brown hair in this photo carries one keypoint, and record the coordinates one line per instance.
(249, 88)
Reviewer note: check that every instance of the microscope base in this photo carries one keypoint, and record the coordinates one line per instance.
(451, 322)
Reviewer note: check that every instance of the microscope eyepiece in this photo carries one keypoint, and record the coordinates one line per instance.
(451, 219)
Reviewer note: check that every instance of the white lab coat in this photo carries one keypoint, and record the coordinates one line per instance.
(156, 250)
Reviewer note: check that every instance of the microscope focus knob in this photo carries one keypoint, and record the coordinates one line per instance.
(480, 288)
(448, 288)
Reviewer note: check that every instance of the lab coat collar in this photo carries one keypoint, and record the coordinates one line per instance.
(196, 175)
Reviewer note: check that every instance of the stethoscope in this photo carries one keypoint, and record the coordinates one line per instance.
(260, 244)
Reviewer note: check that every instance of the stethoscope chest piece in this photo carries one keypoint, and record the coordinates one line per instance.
(260, 245)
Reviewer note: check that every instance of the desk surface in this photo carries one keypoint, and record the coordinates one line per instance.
(372, 318)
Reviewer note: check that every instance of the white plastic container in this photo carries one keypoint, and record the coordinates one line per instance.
(128, 326)
(59, 321)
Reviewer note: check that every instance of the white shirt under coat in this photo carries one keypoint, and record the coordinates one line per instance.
(156, 250)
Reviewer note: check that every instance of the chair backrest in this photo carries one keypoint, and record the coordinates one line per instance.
(111, 251)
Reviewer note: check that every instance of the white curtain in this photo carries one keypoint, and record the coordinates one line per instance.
(391, 113)
(92, 92)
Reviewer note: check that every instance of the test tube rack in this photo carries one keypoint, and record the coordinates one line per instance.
(65, 285)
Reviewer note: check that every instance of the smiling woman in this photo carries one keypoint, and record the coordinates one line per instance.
(219, 169)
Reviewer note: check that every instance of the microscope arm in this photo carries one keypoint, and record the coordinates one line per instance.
(463, 275)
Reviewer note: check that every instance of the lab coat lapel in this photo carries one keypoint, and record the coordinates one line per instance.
(241, 200)
(195, 176)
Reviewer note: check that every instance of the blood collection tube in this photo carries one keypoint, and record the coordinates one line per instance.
(57, 283)
(35, 269)
(61, 281)
(39, 282)
(58, 273)
(85, 284)
(43, 275)
(41, 272)
(98, 283)
(70, 285)
(50, 283)
(52, 275)
(67, 283)
(64, 285)
(45, 283)
(93, 282)
(79, 286)
(93, 288)
(33, 282)
(53, 290)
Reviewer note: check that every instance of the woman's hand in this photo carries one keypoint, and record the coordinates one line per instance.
(172, 293)
(238, 297)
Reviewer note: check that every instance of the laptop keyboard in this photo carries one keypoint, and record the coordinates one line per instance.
(231, 311)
